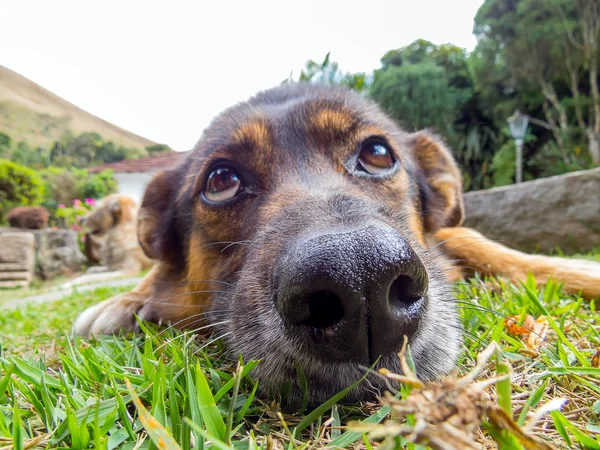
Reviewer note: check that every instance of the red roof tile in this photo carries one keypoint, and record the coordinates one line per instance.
(153, 163)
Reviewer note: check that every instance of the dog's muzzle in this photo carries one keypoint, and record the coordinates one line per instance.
(351, 294)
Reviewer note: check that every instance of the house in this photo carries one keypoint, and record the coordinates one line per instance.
(134, 174)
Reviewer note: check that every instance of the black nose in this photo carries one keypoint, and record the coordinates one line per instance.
(352, 295)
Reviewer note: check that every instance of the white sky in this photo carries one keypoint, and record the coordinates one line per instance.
(164, 69)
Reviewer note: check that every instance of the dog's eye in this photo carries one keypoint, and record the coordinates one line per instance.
(222, 184)
(375, 158)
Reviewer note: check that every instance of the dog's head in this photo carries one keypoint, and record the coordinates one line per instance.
(312, 213)
(111, 211)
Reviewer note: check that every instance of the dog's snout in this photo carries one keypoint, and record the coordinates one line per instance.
(352, 295)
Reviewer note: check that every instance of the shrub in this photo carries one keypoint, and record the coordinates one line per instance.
(19, 186)
(63, 186)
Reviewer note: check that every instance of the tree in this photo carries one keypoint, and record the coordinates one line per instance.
(426, 85)
(328, 72)
(546, 48)
(5, 145)
(417, 96)
(158, 148)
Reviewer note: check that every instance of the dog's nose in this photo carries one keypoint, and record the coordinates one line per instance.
(352, 295)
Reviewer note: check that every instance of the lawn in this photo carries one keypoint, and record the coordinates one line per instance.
(60, 393)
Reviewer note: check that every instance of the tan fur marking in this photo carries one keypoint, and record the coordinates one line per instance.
(331, 120)
(489, 257)
(255, 134)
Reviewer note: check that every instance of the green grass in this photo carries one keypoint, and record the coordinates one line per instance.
(171, 390)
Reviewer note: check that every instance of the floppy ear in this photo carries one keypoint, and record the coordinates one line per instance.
(122, 207)
(441, 183)
(157, 228)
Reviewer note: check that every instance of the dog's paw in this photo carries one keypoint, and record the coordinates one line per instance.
(117, 314)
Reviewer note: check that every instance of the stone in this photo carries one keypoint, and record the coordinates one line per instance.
(9, 267)
(20, 275)
(542, 215)
(17, 258)
(58, 253)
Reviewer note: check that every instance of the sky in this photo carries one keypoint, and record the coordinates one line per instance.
(164, 69)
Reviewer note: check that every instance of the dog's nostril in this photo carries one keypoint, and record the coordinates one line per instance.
(325, 309)
(406, 291)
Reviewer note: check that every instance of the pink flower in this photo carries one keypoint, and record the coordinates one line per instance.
(82, 238)
(61, 206)
(76, 202)
(78, 218)
(90, 201)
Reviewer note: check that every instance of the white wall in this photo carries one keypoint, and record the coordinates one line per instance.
(133, 184)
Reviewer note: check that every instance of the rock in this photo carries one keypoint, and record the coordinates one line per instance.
(17, 258)
(542, 215)
(20, 275)
(58, 253)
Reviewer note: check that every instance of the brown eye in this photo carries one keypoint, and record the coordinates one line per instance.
(375, 158)
(222, 184)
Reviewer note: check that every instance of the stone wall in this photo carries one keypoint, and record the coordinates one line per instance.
(17, 259)
(542, 215)
(54, 253)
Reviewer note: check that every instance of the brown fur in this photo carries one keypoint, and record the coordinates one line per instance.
(30, 217)
(296, 149)
(112, 236)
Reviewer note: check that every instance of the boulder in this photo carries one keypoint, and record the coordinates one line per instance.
(542, 215)
(17, 258)
(58, 253)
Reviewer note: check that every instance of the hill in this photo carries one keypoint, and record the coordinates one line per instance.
(30, 113)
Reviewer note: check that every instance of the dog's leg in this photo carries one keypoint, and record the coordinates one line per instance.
(488, 257)
(157, 298)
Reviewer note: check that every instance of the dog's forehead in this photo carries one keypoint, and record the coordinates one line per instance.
(292, 113)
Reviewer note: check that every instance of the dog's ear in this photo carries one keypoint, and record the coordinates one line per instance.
(440, 183)
(122, 208)
(157, 228)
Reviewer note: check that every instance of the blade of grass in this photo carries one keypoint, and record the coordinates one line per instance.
(208, 407)
(159, 435)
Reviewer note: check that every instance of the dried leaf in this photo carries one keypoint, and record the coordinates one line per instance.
(514, 328)
(538, 335)
(596, 359)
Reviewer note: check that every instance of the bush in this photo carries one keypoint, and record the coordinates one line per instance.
(63, 186)
(19, 186)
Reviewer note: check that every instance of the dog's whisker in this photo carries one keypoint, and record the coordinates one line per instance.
(236, 243)
(165, 301)
(461, 237)
(449, 250)
(454, 267)
(200, 316)
(188, 332)
(467, 305)
(227, 243)
(212, 341)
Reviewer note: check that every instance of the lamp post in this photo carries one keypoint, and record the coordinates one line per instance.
(518, 128)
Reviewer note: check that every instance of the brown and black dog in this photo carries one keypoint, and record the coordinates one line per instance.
(314, 234)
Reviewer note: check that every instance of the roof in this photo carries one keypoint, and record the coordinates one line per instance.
(153, 163)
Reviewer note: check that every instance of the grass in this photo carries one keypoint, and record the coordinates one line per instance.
(169, 390)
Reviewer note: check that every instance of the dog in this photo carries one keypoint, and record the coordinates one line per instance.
(112, 236)
(313, 233)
